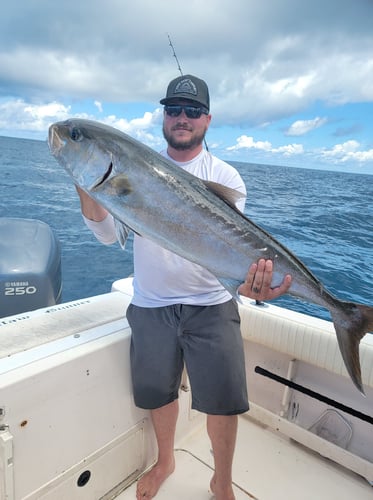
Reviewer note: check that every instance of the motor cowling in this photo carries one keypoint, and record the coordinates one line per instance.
(30, 266)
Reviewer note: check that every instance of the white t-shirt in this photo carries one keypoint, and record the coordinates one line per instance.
(161, 277)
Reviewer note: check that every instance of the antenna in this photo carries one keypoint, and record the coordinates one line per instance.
(181, 73)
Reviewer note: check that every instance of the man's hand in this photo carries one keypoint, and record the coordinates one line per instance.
(258, 282)
(90, 208)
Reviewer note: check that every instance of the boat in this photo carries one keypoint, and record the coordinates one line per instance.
(69, 428)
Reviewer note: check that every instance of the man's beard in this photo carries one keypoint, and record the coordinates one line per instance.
(182, 145)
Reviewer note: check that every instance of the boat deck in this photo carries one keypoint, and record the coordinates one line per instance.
(267, 466)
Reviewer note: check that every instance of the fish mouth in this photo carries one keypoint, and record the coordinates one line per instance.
(54, 140)
(104, 178)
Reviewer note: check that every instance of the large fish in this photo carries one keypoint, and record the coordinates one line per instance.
(193, 218)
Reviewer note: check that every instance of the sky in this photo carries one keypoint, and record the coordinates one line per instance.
(291, 81)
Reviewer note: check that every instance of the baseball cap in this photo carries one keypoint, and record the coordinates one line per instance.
(188, 87)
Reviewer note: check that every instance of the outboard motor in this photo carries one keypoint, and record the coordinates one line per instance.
(30, 266)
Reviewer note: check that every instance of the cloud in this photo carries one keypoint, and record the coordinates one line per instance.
(349, 130)
(290, 149)
(246, 142)
(36, 118)
(292, 55)
(98, 105)
(25, 116)
(145, 129)
(347, 152)
(264, 62)
(302, 127)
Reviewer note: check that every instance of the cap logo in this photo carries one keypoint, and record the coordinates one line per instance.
(185, 86)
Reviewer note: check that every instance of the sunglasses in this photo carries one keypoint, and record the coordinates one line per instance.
(190, 111)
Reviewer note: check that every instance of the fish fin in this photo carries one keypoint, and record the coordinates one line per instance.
(231, 286)
(120, 184)
(351, 326)
(229, 195)
(122, 232)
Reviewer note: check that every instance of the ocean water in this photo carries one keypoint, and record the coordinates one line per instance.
(325, 218)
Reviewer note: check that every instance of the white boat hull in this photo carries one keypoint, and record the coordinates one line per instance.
(69, 428)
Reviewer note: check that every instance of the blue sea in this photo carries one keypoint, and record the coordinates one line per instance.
(324, 217)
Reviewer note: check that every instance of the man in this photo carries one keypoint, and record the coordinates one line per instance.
(181, 313)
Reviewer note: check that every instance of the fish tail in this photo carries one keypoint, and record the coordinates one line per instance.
(351, 323)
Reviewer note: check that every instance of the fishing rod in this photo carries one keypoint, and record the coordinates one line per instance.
(181, 73)
(174, 54)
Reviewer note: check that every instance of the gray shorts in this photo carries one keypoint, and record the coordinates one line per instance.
(207, 338)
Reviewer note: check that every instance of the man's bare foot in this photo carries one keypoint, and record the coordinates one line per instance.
(149, 484)
(221, 493)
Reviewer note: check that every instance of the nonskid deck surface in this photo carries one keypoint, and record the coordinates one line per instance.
(190, 480)
(266, 467)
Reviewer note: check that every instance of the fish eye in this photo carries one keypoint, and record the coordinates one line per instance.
(76, 134)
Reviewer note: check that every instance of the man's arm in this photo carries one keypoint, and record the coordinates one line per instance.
(90, 208)
(97, 219)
